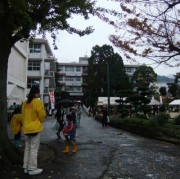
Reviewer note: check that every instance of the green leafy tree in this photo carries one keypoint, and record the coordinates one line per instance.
(97, 71)
(149, 29)
(163, 91)
(141, 79)
(125, 102)
(21, 20)
(172, 88)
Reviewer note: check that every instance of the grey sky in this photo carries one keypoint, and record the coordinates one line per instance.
(71, 47)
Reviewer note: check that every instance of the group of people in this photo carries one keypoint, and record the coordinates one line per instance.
(29, 118)
(68, 126)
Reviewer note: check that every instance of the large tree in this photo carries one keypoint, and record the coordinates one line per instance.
(22, 20)
(143, 77)
(142, 80)
(97, 71)
(149, 29)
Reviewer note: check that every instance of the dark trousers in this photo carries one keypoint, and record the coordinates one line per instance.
(104, 122)
(61, 125)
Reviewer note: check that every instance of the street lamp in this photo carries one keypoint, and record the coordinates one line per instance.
(108, 87)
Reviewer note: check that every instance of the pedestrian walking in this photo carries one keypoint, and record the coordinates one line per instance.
(60, 119)
(104, 116)
(78, 112)
(69, 133)
(16, 126)
(74, 119)
(33, 113)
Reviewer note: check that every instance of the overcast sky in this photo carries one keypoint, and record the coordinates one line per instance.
(71, 46)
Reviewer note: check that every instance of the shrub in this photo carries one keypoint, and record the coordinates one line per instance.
(134, 121)
(161, 119)
(142, 116)
(177, 120)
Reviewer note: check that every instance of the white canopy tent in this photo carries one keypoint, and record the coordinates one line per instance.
(175, 102)
(103, 101)
(154, 102)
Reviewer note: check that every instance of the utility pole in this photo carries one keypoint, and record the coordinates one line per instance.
(108, 88)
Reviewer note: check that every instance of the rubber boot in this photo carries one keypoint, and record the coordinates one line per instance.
(74, 147)
(66, 150)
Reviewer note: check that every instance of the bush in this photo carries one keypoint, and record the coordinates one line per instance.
(161, 119)
(134, 121)
(142, 116)
(177, 120)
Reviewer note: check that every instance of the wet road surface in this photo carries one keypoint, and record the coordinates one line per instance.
(106, 153)
(110, 153)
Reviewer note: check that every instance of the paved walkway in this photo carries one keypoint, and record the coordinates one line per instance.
(108, 153)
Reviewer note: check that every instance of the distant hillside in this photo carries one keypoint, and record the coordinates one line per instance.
(164, 79)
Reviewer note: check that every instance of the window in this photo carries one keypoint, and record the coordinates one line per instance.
(69, 88)
(34, 66)
(35, 48)
(129, 70)
(69, 78)
(77, 88)
(69, 68)
(60, 68)
(60, 78)
(78, 78)
(78, 69)
(32, 82)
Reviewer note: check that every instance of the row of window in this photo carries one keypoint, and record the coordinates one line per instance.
(130, 69)
(35, 48)
(32, 82)
(73, 88)
(34, 66)
(70, 68)
(69, 78)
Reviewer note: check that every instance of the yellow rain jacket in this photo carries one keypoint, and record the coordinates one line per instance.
(33, 116)
(16, 123)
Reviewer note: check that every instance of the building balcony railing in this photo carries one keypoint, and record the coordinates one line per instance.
(50, 57)
(49, 74)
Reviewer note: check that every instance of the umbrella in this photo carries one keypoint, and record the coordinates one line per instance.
(78, 101)
(66, 102)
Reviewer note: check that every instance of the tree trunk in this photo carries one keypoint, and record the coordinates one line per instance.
(8, 153)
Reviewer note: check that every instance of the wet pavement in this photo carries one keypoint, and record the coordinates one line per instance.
(109, 153)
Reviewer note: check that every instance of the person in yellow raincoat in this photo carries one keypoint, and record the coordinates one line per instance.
(16, 126)
(34, 114)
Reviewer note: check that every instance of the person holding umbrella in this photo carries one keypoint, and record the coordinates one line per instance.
(60, 119)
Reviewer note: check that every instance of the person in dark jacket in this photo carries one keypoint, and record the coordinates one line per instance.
(74, 119)
(60, 119)
(104, 117)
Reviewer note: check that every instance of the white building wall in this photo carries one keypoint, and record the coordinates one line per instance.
(17, 73)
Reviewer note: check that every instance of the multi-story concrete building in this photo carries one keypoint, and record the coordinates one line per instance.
(72, 77)
(130, 69)
(41, 67)
(17, 73)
